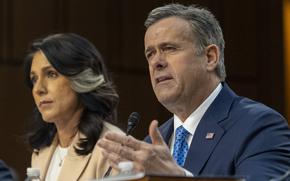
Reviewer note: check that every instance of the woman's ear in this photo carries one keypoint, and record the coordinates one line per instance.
(212, 53)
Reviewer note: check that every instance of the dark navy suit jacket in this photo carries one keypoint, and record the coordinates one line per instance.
(250, 140)
(5, 173)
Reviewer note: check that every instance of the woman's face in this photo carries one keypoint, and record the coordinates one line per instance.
(52, 93)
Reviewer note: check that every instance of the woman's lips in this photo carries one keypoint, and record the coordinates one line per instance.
(44, 103)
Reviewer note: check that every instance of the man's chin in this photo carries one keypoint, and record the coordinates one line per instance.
(166, 100)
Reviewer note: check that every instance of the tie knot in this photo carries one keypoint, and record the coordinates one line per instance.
(181, 133)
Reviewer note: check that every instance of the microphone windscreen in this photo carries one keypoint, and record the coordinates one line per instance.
(132, 121)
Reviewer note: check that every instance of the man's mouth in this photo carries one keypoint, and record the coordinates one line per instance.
(162, 79)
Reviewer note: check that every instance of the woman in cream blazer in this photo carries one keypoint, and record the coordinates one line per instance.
(75, 167)
(75, 104)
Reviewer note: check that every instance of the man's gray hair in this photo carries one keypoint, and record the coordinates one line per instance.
(205, 28)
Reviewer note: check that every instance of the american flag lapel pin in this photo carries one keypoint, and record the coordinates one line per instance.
(209, 136)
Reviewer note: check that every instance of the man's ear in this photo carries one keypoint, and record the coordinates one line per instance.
(212, 53)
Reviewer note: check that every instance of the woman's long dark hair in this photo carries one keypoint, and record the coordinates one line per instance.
(76, 58)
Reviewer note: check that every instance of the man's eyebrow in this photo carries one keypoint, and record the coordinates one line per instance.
(167, 43)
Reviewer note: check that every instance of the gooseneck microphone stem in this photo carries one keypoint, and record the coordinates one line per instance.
(133, 120)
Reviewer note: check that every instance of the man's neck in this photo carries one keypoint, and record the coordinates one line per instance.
(184, 110)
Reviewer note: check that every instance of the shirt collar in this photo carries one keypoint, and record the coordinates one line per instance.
(192, 121)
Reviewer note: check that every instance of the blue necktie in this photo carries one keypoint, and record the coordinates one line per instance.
(180, 145)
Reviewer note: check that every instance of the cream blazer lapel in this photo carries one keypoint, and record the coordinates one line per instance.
(74, 164)
(75, 167)
(41, 158)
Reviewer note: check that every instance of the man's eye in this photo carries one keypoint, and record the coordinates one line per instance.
(169, 48)
(148, 55)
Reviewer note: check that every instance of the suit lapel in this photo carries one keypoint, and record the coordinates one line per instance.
(201, 148)
(43, 157)
(166, 130)
(209, 132)
(74, 164)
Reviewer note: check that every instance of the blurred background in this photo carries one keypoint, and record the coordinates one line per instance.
(256, 55)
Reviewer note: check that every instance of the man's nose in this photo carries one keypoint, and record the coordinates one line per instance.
(159, 61)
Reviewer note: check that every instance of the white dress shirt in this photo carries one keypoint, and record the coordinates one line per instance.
(191, 123)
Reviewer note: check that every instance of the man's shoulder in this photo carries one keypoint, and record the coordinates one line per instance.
(250, 115)
(249, 107)
(163, 128)
(166, 124)
(244, 104)
(231, 109)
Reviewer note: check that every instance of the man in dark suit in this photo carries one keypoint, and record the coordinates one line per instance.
(5, 172)
(213, 131)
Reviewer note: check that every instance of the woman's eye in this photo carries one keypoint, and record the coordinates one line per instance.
(33, 80)
(52, 74)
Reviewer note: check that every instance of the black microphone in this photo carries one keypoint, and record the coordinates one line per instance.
(132, 122)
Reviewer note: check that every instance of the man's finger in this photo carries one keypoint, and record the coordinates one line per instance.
(112, 158)
(124, 152)
(155, 134)
(109, 146)
(128, 141)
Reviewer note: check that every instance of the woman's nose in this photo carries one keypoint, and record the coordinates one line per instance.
(40, 87)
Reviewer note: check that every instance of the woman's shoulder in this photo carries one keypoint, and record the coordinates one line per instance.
(110, 127)
(96, 154)
(107, 127)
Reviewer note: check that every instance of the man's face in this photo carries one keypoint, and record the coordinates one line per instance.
(177, 73)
